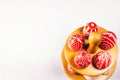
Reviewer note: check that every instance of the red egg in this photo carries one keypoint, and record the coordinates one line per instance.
(75, 42)
(102, 60)
(89, 28)
(82, 59)
(108, 40)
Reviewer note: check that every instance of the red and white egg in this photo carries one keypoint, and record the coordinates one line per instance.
(82, 59)
(75, 42)
(108, 40)
(102, 60)
(89, 28)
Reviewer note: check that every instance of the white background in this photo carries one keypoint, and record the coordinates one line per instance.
(33, 32)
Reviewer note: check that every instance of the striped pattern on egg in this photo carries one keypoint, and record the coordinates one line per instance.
(75, 42)
(102, 59)
(108, 40)
(89, 28)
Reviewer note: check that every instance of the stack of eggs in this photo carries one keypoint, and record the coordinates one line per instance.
(90, 52)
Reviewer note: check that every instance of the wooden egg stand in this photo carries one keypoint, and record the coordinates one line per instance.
(93, 41)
